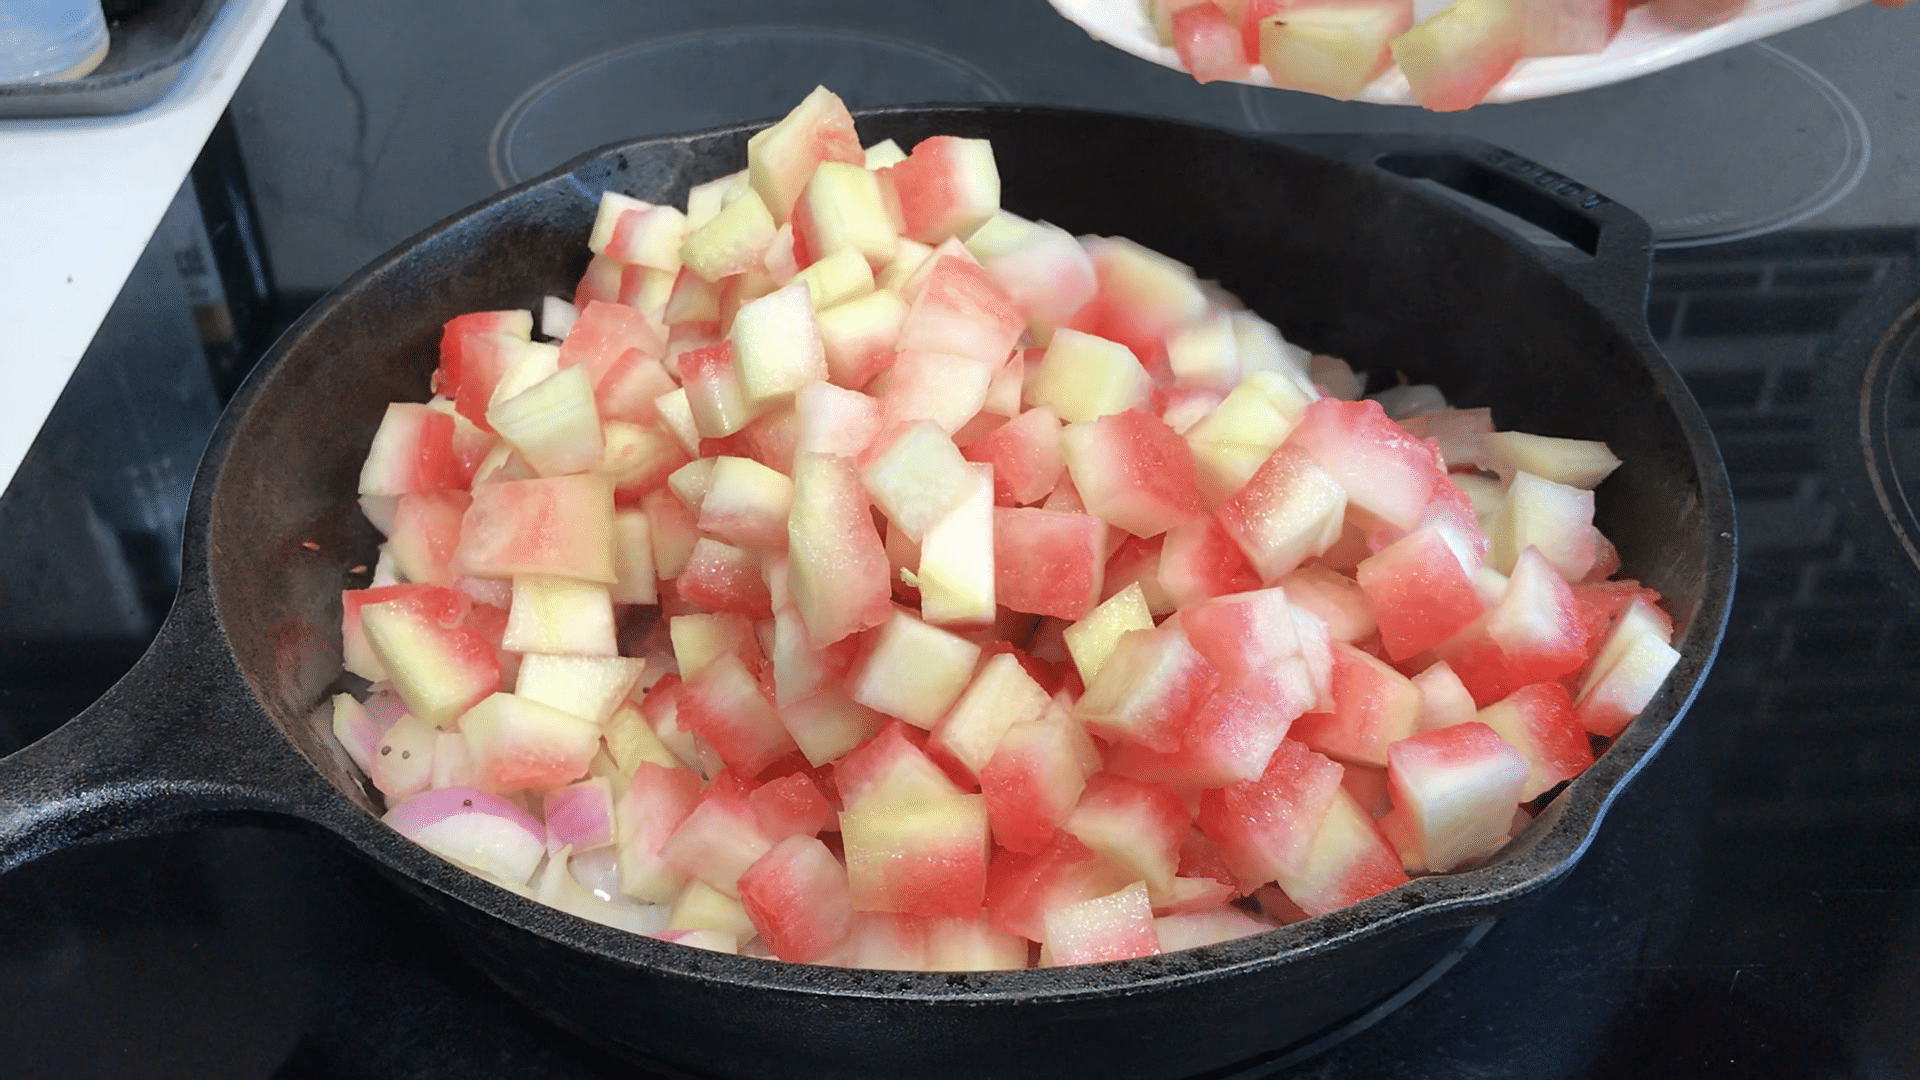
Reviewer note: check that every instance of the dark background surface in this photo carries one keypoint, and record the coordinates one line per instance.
(1749, 908)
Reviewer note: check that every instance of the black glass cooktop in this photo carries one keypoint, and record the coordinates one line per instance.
(1751, 906)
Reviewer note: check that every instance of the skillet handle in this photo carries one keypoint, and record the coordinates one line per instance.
(176, 743)
(1616, 244)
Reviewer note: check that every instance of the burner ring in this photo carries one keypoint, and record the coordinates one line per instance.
(1879, 395)
(678, 83)
(1699, 176)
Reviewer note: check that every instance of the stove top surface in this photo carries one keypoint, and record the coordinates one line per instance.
(1749, 907)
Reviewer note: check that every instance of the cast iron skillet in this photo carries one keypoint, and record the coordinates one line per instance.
(1334, 238)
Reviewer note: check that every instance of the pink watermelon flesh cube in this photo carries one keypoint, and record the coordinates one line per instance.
(560, 526)
(776, 347)
(912, 670)
(888, 769)
(841, 207)
(837, 564)
(1611, 698)
(443, 606)
(1316, 649)
(1193, 894)
(1419, 593)
(714, 391)
(579, 816)
(723, 704)
(1022, 889)
(1025, 455)
(947, 187)
(790, 805)
(717, 842)
(1290, 510)
(1208, 43)
(1374, 707)
(1384, 471)
(1332, 48)
(1143, 295)
(1133, 471)
(833, 420)
(1533, 635)
(412, 453)
(882, 941)
(972, 944)
(1243, 632)
(638, 233)
(1200, 561)
(1232, 735)
(918, 858)
(1458, 786)
(799, 670)
(1336, 598)
(916, 476)
(747, 504)
(486, 359)
(1456, 57)
(606, 332)
(1252, 14)
(962, 311)
(828, 724)
(516, 743)
(1349, 861)
(1538, 721)
(601, 281)
(1048, 562)
(1266, 827)
(1451, 513)
(1149, 686)
(631, 389)
(1444, 700)
(455, 331)
(1235, 731)
(1197, 929)
(1001, 694)
(1570, 27)
(638, 459)
(1555, 518)
(693, 300)
(459, 337)
(946, 389)
(1033, 781)
(426, 531)
(781, 159)
(1137, 561)
(1047, 275)
(857, 337)
(1368, 786)
(1138, 826)
(955, 574)
(797, 897)
(438, 666)
(721, 577)
(1118, 926)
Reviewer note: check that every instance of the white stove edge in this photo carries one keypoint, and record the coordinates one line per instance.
(79, 199)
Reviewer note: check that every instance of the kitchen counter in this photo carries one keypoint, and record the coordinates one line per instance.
(79, 198)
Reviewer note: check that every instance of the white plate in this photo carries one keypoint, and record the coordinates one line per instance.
(1643, 46)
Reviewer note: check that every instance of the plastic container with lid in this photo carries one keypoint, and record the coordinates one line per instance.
(43, 40)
